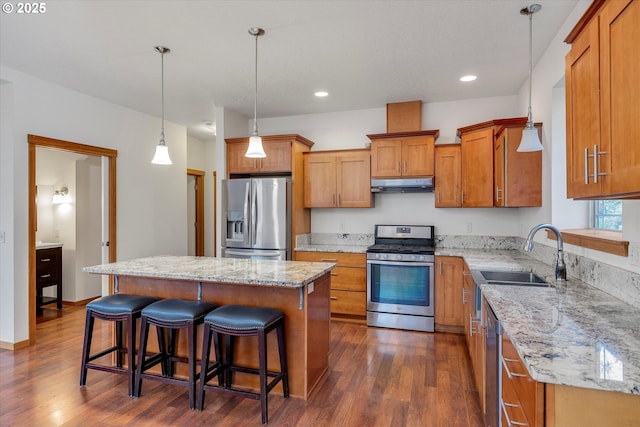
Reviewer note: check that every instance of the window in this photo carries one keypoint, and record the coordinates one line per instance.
(606, 214)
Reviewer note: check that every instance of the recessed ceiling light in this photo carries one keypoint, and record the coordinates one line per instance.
(469, 78)
(321, 94)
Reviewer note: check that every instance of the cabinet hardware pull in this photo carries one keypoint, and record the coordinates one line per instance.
(466, 273)
(471, 322)
(45, 259)
(405, 167)
(465, 293)
(498, 191)
(438, 195)
(506, 368)
(334, 298)
(45, 276)
(334, 274)
(510, 423)
(596, 174)
(399, 170)
(462, 201)
(586, 165)
(329, 260)
(338, 199)
(441, 267)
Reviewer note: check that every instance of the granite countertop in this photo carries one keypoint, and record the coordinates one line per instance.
(354, 249)
(48, 245)
(288, 274)
(570, 333)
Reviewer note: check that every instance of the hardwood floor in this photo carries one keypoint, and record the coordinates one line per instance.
(378, 377)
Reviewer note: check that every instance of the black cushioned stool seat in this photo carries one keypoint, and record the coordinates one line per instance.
(117, 308)
(171, 315)
(234, 321)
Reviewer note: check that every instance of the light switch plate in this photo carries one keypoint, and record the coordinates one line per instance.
(634, 253)
(1, 236)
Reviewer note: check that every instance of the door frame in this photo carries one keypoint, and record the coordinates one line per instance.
(199, 177)
(36, 141)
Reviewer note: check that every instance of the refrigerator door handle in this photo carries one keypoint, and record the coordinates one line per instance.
(247, 217)
(254, 213)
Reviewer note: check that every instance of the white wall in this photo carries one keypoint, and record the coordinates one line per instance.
(151, 199)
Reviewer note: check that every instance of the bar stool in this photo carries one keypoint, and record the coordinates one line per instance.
(118, 308)
(171, 315)
(235, 321)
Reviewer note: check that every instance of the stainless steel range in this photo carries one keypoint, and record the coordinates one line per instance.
(400, 277)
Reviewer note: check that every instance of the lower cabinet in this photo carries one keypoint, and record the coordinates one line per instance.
(48, 274)
(348, 282)
(522, 400)
(474, 332)
(449, 316)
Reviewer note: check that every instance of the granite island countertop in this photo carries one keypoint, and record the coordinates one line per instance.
(352, 249)
(291, 274)
(570, 333)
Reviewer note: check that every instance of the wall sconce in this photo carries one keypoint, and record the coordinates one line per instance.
(60, 196)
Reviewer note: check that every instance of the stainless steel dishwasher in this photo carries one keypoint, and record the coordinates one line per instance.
(492, 367)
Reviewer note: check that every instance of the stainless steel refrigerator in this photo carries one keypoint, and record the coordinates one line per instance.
(256, 218)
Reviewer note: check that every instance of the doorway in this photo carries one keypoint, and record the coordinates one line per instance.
(195, 212)
(108, 161)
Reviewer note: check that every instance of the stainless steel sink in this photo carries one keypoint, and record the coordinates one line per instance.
(518, 278)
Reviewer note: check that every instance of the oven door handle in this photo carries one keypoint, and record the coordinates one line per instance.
(402, 263)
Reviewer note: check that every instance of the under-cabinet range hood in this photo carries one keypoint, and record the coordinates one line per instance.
(402, 185)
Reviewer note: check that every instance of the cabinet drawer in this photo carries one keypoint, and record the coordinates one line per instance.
(525, 388)
(349, 302)
(48, 265)
(341, 259)
(349, 279)
(512, 412)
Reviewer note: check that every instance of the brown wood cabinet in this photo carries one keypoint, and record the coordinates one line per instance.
(477, 168)
(337, 179)
(493, 172)
(280, 151)
(474, 333)
(48, 274)
(403, 154)
(348, 282)
(447, 170)
(449, 316)
(602, 92)
(522, 396)
(517, 177)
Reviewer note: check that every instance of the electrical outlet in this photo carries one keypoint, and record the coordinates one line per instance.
(1, 236)
(469, 227)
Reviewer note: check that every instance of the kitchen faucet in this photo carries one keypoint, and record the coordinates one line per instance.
(561, 267)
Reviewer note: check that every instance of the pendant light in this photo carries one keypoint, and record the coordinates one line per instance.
(255, 149)
(530, 140)
(161, 156)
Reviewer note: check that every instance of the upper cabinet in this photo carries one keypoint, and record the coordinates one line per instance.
(447, 171)
(280, 150)
(602, 92)
(337, 179)
(490, 171)
(403, 154)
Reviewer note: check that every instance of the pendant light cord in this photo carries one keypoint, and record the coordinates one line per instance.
(255, 99)
(162, 91)
(530, 116)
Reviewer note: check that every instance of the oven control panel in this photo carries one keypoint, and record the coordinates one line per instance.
(400, 257)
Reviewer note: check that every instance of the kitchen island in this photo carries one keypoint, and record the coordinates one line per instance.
(299, 289)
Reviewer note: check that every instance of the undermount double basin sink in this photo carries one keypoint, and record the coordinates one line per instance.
(517, 278)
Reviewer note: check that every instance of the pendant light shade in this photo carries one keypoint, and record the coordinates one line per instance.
(255, 149)
(530, 140)
(161, 157)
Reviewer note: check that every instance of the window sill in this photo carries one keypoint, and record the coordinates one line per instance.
(599, 240)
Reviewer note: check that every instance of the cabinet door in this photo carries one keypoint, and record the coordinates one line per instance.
(582, 79)
(477, 168)
(278, 157)
(498, 168)
(386, 158)
(237, 162)
(417, 156)
(620, 92)
(447, 176)
(522, 182)
(354, 180)
(449, 306)
(319, 180)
